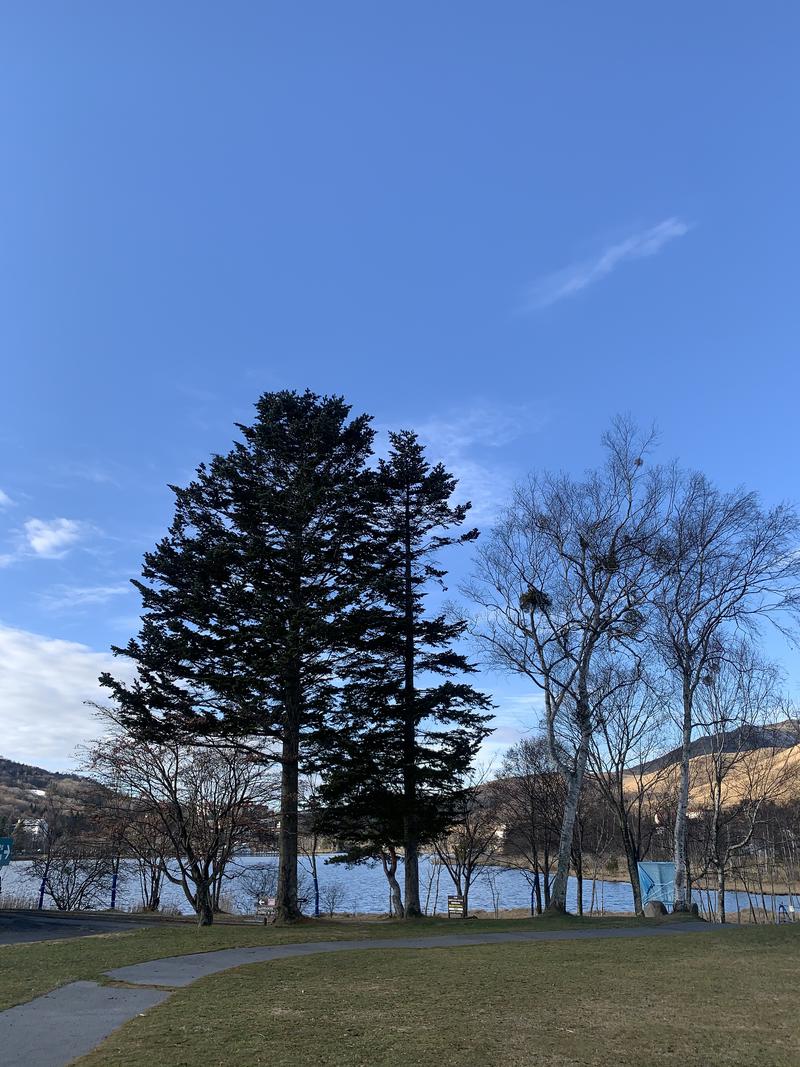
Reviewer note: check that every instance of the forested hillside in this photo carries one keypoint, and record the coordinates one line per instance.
(23, 788)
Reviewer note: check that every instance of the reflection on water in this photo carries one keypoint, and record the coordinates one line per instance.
(364, 889)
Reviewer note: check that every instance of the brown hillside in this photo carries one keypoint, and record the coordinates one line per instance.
(763, 772)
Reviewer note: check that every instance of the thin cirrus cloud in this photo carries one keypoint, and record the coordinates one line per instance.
(580, 275)
(470, 443)
(76, 597)
(5, 500)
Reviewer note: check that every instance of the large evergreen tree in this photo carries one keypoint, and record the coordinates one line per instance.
(412, 722)
(248, 600)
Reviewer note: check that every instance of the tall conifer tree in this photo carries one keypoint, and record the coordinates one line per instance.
(247, 602)
(413, 724)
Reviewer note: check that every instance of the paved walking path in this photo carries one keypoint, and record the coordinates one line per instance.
(57, 1028)
(183, 970)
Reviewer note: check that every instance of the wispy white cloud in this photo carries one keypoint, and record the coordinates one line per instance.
(516, 716)
(43, 685)
(483, 426)
(5, 500)
(52, 538)
(470, 444)
(96, 473)
(75, 597)
(580, 275)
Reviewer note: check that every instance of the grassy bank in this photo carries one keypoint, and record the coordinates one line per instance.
(713, 999)
(28, 970)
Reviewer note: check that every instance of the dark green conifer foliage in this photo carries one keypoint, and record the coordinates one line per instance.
(413, 724)
(247, 602)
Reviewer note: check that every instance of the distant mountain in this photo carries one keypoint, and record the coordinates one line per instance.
(778, 735)
(23, 788)
(23, 776)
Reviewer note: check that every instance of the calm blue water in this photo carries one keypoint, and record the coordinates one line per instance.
(364, 889)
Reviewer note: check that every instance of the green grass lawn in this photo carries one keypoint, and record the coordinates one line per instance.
(704, 999)
(27, 971)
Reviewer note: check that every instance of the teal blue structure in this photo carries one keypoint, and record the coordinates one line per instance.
(5, 851)
(657, 882)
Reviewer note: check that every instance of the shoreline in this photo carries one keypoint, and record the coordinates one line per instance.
(782, 888)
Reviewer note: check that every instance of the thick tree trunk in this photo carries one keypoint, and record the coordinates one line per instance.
(558, 896)
(204, 905)
(682, 896)
(389, 861)
(413, 908)
(397, 898)
(286, 907)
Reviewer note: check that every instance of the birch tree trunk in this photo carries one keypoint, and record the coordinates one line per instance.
(681, 902)
(390, 870)
(558, 895)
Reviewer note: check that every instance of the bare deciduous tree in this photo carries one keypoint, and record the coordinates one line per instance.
(566, 575)
(629, 733)
(332, 895)
(530, 795)
(204, 800)
(74, 869)
(475, 837)
(726, 565)
(74, 876)
(747, 763)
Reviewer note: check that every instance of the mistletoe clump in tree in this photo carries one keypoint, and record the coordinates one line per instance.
(413, 724)
(248, 601)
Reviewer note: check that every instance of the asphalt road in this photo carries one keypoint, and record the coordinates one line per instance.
(22, 927)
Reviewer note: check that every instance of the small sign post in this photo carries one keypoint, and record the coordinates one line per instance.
(455, 908)
(265, 908)
(6, 844)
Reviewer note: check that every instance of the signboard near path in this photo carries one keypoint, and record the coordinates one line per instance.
(455, 908)
(657, 881)
(5, 851)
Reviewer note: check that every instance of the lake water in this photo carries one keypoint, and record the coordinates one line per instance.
(364, 889)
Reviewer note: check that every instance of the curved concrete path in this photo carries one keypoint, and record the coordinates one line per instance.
(177, 971)
(57, 1028)
(69, 1022)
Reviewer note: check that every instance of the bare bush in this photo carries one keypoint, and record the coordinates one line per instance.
(332, 896)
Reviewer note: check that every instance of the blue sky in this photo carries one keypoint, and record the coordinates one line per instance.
(500, 224)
